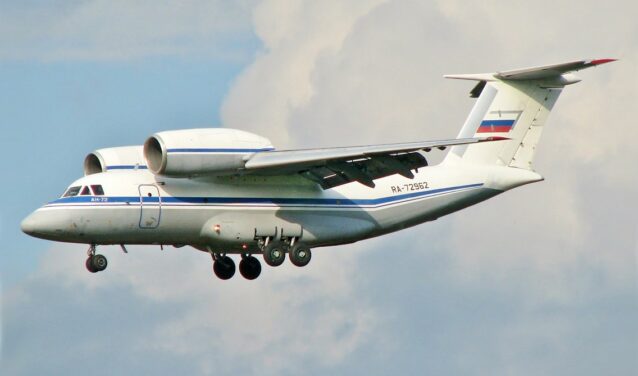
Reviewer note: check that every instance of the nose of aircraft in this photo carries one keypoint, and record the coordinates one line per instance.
(42, 225)
(29, 225)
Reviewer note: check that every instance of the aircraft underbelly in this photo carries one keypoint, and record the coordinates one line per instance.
(403, 216)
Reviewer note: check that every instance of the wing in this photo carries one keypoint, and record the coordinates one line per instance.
(331, 167)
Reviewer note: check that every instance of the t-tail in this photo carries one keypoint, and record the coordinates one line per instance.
(513, 105)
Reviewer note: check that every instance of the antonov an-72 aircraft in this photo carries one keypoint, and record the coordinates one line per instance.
(225, 191)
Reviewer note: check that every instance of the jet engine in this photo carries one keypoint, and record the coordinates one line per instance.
(118, 158)
(206, 151)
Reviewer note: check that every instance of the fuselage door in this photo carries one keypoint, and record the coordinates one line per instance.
(150, 206)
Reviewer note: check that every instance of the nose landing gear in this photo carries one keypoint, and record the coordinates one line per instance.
(95, 263)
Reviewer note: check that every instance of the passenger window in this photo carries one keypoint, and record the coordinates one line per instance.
(97, 190)
(73, 191)
(86, 191)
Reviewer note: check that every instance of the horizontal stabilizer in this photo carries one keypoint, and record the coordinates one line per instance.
(550, 71)
(535, 73)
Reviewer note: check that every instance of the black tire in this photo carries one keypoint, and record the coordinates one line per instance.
(99, 262)
(89, 265)
(224, 268)
(250, 268)
(300, 255)
(274, 253)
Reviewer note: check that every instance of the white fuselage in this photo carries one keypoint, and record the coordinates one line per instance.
(228, 214)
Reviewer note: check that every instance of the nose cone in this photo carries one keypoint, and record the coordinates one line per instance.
(29, 225)
(44, 225)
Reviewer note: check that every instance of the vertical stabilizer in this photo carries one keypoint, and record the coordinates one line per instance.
(514, 105)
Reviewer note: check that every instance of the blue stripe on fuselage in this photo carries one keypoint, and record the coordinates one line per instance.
(105, 200)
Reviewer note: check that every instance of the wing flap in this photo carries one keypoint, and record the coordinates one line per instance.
(351, 172)
(364, 171)
(332, 167)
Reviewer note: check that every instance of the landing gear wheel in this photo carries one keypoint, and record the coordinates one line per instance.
(300, 255)
(89, 265)
(274, 253)
(250, 267)
(99, 262)
(95, 263)
(224, 267)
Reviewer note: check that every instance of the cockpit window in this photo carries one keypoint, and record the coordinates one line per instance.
(85, 191)
(97, 190)
(73, 191)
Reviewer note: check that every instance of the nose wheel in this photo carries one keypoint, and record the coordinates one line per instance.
(95, 263)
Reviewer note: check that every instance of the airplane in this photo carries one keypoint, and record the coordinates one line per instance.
(227, 191)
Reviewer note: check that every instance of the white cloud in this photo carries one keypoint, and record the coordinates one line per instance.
(295, 38)
(290, 311)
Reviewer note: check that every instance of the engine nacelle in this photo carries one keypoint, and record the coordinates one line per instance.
(119, 158)
(206, 151)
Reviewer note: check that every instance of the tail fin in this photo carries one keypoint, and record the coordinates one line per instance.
(513, 104)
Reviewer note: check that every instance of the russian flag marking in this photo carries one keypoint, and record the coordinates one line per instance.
(495, 126)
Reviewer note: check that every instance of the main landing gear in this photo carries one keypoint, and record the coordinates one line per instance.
(274, 253)
(300, 255)
(249, 267)
(95, 263)
(224, 266)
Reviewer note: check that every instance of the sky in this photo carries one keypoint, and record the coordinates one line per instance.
(540, 280)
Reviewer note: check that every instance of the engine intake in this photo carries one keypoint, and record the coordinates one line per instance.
(206, 151)
(118, 158)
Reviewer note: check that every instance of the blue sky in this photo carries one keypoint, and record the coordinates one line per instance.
(553, 289)
(57, 112)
